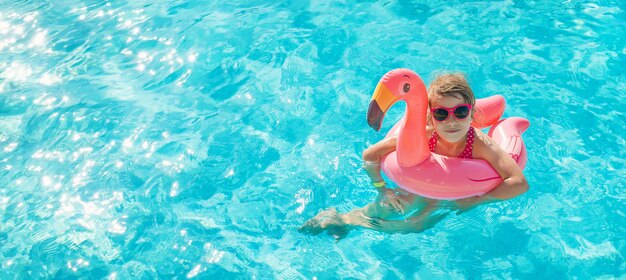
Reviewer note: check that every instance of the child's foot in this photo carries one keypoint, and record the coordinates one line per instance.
(319, 223)
(326, 220)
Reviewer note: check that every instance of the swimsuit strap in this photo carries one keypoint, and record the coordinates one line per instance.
(432, 142)
(467, 151)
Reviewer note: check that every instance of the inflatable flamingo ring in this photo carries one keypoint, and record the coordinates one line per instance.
(413, 167)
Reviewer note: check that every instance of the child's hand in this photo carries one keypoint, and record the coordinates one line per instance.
(397, 201)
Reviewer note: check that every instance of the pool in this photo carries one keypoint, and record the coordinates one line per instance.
(190, 139)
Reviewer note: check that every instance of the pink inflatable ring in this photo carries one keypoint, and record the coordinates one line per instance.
(413, 167)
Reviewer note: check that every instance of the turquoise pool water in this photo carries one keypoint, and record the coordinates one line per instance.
(190, 139)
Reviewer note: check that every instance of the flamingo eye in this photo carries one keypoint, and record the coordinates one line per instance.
(406, 87)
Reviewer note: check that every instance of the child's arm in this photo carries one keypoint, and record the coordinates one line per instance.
(514, 182)
(417, 222)
(373, 155)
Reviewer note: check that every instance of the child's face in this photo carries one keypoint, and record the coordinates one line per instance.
(451, 129)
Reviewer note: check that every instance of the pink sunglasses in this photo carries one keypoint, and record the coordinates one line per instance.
(460, 112)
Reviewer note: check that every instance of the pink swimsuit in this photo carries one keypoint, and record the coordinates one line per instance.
(467, 152)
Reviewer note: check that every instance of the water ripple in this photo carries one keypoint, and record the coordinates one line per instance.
(150, 140)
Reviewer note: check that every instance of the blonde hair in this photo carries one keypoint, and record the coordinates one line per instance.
(450, 84)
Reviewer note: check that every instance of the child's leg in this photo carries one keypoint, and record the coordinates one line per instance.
(341, 224)
(373, 216)
(330, 217)
(421, 220)
(382, 208)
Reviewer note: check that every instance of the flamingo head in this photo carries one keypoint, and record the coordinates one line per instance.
(396, 85)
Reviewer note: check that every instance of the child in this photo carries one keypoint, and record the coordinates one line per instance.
(451, 102)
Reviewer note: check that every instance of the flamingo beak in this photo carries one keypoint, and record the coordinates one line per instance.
(381, 101)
